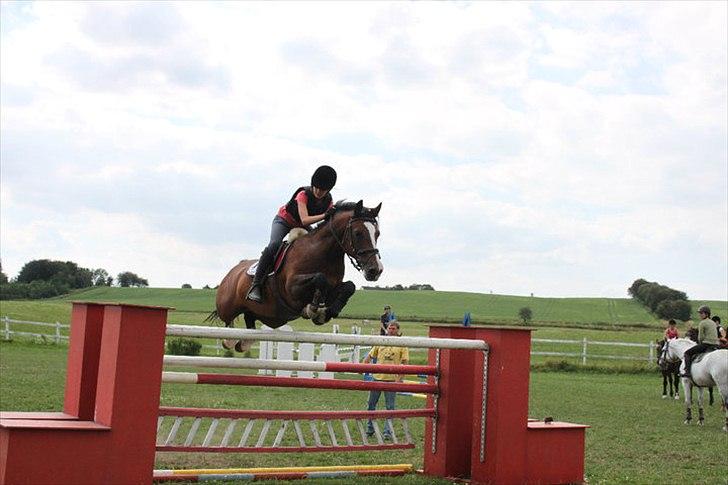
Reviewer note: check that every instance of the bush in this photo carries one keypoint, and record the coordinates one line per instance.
(187, 286)
(525, 314)
(183, 346)
(14, 291)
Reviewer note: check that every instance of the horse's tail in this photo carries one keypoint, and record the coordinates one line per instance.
(213, 317)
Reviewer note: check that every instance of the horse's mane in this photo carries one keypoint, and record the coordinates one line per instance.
(341, 206)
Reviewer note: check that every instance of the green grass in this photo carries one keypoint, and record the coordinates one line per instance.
(191, 306)
(634, 434)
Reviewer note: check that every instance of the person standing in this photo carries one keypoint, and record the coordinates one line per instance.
(308, 205)
(388, 355)
(384, 320)
(722, 337)
(707, 338)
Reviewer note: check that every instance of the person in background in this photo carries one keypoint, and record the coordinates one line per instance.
(308, 205)
(707, 338)
(384, 320)
(671, 331)
(389, 356)
(722, 337)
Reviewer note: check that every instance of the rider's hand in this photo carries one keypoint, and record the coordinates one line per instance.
(329, 212)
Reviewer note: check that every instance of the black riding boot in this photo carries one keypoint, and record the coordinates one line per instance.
(264, 264)
(687, 358)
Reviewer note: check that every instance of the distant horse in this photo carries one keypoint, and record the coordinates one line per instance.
(310, 282)
(670, 374)
(710, 370)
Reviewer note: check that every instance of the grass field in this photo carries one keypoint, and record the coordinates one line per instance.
(633, 432)
(434, 306)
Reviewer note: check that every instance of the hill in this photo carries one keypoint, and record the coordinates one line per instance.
(434, 306)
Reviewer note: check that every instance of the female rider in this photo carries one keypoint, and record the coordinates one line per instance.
(307, 206)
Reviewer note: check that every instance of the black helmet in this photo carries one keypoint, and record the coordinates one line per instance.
(324, 178)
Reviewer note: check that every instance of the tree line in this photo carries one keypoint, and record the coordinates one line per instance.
(415, 286)
(663, 301)
(44, 278)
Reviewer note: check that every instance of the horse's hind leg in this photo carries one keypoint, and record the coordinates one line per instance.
(710, 396)
(675, 376)
(664, 385)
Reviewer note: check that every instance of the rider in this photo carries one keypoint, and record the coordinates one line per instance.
(707, 338)
(671, 330)
(308, 205)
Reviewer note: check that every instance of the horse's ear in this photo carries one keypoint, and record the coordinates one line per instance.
(358, 208)
(375, 211)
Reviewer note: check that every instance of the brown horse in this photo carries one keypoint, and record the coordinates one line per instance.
(310, 282)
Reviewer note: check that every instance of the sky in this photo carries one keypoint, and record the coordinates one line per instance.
(553, 148)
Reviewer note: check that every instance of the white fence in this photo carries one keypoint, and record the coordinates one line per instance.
(55, 336)
(354, 353)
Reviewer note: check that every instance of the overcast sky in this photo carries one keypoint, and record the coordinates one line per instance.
(555, 148)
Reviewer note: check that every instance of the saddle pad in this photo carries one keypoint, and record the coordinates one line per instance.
(280, 256)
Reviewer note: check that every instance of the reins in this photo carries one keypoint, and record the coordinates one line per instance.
(357, 252)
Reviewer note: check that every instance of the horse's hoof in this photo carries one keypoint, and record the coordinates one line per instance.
(320, 317)
(229, 344)
(687, 421)
(309, 311)
(664, 396)
(701, 423)
(243, 345)
(677, 397)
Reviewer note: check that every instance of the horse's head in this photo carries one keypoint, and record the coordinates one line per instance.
(359, 238)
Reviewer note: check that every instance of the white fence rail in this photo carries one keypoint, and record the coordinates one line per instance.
(352, 353)
(55, 336)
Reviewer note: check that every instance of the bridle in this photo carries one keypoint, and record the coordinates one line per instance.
(664, 354)
(357, 253)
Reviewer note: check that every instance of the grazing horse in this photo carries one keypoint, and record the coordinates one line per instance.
(710, 370)
(310, 283)
(670, 374)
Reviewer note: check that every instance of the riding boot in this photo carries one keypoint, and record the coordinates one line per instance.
(687, 359)
(264, 264)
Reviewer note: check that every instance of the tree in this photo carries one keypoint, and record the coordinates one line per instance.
(100, 277)
(3, 276)
(187, 286)
(679, 309)
(59, 273)
(127, 279)
(525, 314)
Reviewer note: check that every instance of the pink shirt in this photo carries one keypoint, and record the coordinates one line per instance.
(671, 333)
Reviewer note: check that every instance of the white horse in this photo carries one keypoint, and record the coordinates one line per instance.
(711, 370)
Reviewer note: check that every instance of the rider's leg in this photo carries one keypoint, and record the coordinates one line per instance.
(278, 231)
(687, 358)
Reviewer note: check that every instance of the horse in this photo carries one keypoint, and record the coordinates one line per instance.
(710, 370)
(309, 283)
(670, 374)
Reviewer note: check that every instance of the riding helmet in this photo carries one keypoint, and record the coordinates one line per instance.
(324, 178)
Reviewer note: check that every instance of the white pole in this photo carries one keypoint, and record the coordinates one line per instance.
(324, 338)
(58, 333)
(652, 351)
(7, 328)
(583, 351)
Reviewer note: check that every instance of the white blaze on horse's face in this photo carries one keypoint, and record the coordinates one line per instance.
(372, 274)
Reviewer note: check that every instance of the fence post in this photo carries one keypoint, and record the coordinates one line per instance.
(58, 333)
(583, 351)
(7, 328)
(652, 352)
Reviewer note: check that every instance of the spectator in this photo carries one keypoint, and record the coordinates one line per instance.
(390, 356)
(384, 319)
(707, 338)
(671, 330)
(722, 337)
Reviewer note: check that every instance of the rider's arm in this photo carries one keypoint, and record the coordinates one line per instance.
(307, 220)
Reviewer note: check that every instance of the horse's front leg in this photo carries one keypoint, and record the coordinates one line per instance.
(675, 377)
(339, 297)
(688, 400)
(701, 415)
(311, 289)
(664, 386)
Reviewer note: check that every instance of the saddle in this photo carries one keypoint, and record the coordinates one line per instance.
(280, 257)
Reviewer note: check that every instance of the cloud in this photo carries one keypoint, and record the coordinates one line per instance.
(515, 147)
